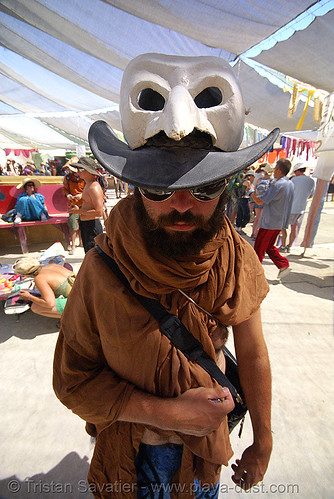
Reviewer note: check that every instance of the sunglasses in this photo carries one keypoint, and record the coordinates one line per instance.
(207, 193)
(30, 185)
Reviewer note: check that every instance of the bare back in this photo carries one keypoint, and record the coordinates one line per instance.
(53, 275)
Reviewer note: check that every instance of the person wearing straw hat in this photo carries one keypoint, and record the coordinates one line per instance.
(91, 208)
(159, 419)
(30, 205)
(73, 187)
(53, 281)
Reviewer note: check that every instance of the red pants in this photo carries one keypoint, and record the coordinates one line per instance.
(265, 243)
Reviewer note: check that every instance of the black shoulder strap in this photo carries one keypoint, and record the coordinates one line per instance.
(176, 332)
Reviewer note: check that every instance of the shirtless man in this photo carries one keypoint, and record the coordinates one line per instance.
(92, 203)
(73, 187)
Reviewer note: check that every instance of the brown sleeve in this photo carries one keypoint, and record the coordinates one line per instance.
(82, 380)
(245, 284)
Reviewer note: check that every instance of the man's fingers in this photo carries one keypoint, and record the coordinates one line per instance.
(238, 472)
(242, 477)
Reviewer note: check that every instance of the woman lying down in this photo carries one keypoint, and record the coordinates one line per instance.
(54, 283)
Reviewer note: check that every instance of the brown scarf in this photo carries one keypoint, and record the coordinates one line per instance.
(113, 330)
(226, 278)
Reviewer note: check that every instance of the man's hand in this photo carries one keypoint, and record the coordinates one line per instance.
(250, 469)
(73, 209)
(198, 411)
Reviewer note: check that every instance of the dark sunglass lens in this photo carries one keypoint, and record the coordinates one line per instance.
(209, 192)
(155, 194)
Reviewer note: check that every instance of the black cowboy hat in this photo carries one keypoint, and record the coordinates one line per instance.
(170, 168)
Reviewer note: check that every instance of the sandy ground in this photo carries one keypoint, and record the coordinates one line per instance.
(45, 451)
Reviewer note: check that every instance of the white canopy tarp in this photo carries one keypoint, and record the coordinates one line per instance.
(62, 62)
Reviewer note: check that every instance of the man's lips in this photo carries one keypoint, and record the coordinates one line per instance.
(181, 226)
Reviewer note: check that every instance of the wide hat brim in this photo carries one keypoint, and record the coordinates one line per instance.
(178, 168)
(35, 181)
(88, 168)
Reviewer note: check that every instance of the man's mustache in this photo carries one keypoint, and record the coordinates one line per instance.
(175, 217)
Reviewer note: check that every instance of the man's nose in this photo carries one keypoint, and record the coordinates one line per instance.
(181, 201)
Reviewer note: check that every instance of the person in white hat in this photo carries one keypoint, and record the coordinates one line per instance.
(159, 418)
(303, 189)
(30, 205)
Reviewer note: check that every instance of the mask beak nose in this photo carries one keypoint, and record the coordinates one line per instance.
(180, 117)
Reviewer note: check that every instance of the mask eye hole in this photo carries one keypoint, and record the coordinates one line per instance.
(150, 100)
(209, 97)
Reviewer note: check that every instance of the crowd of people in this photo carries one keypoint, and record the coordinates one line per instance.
(264, 196)
(275, 202)
(13, 168)
(84, 184)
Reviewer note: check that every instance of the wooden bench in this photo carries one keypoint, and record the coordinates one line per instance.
(55, 202)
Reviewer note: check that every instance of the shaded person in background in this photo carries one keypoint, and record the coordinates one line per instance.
(30, 205)
(260, 186)
(102, 180)
(303, 189)
(330, 190)
(29, 169)
(243, 213)
(53, 167)
(277, 202)
(92, 202)
(73, 187)
(232, 188)
(47, 170)
(54, 283)
(118, 187)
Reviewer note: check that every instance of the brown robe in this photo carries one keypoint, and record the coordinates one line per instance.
(109, 344)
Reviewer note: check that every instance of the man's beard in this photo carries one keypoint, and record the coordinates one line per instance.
(178, 244)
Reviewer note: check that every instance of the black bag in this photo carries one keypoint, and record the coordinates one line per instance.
(178, 334)
(9, 216)
(16, 305)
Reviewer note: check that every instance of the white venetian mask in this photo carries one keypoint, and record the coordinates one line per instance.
(176, 95)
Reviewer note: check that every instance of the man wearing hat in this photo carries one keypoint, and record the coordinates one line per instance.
(303, 189)
(30, 205)
(91, 208)
(159, 419)
(73, 187)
